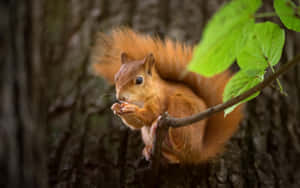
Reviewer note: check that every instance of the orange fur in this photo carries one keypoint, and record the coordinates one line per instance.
(171, 59)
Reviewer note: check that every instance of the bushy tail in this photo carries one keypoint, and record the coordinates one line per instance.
(171, 60)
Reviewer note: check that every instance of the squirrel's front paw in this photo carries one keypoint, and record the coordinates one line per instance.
(116, 108)
(124, 108)
(129, 108)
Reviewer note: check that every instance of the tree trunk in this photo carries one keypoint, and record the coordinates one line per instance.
(22, 113)
(46, 87)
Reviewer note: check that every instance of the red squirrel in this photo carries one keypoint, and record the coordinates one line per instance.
(151, 78)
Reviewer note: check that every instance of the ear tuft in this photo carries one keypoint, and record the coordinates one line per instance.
(124, 58)
(149, 62)
(149, 58)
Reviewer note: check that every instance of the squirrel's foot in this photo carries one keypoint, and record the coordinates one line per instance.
(167, 157)
(171, 158)
(147, 152)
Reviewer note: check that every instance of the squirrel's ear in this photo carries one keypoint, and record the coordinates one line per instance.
(149, 62)
(124, 58)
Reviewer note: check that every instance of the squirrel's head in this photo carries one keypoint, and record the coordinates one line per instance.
(137, 80)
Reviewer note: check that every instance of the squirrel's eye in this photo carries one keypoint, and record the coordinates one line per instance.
(138, 80)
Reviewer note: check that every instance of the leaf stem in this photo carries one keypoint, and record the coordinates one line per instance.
(277, 80)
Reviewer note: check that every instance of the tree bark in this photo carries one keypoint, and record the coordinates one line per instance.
(22, 161)
(56, 127)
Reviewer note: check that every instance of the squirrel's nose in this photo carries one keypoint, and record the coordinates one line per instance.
(121, 98)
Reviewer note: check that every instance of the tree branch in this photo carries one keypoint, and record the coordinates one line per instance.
(166, 121)
(180, 122)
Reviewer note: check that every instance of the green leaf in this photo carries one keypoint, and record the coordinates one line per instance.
(224, 37)
(288, 13)
(241, 82)
(263, 48)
